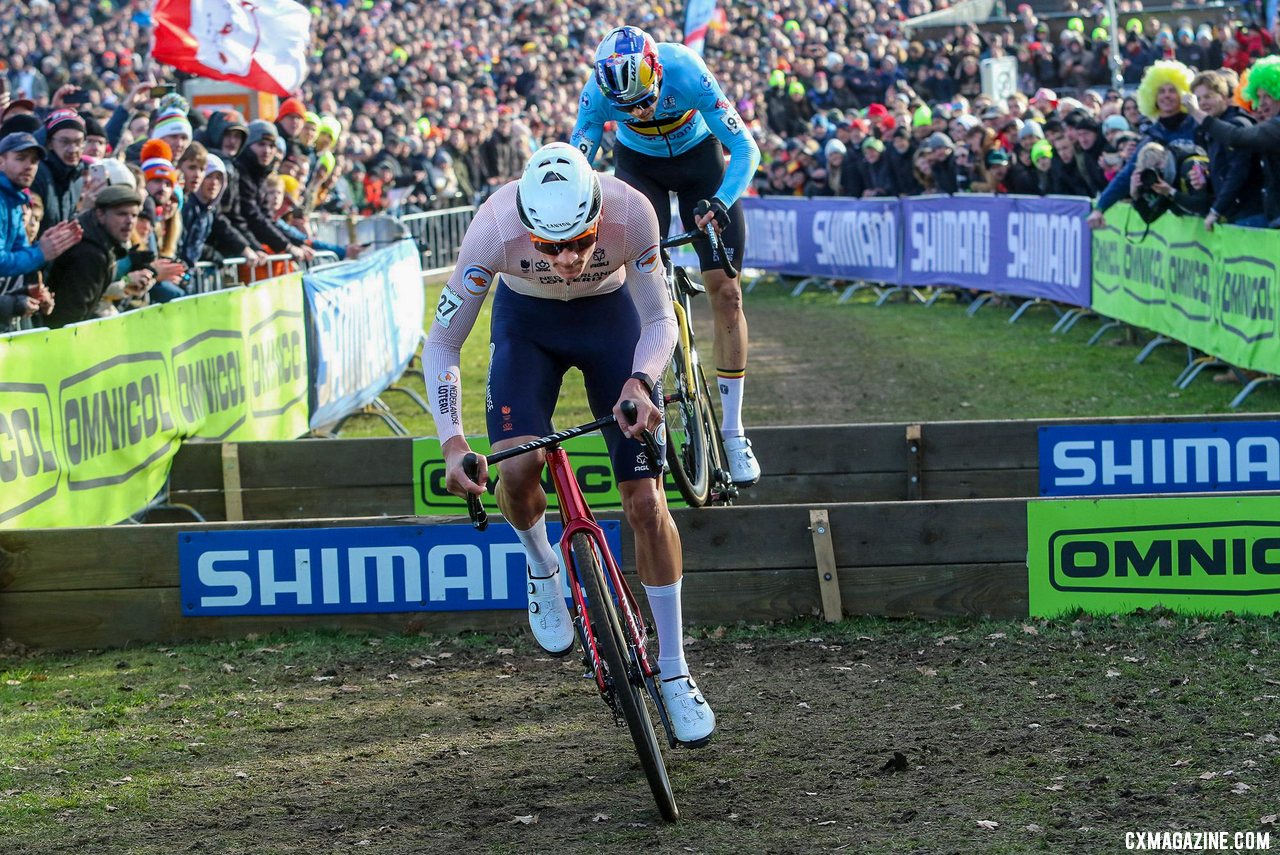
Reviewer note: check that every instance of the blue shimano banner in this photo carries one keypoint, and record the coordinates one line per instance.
(357, 570)
(1021, 245)
(364, 324)
(833, 237)
(1184, 457)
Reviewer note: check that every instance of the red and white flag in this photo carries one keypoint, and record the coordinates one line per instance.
(262, 44)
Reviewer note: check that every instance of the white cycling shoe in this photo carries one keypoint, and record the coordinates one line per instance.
(549, 616)
(691, 716)
(743, 468)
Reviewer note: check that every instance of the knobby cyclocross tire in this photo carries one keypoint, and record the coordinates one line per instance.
(717, 457)
(629, 696)
(687, 453)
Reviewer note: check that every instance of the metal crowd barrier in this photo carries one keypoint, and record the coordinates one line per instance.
(208, 277)
(438, 236)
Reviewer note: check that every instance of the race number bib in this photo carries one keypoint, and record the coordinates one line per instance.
(447, 307)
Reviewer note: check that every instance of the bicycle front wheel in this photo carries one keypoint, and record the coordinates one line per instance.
(687, 452)
(627, 692)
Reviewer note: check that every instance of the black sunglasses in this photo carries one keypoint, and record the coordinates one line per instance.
(642, 104)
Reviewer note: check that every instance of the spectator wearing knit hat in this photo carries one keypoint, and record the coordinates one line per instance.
(162, 178)
(290, 119)
(20, 157)
(95, 138)
(61, 177)
(255, 164)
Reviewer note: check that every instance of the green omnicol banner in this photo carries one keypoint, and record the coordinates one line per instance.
(588, 455)
(1198, 555)
(1215, 291)
(91, 415)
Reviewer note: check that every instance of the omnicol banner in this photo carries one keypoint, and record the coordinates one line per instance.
(91, 415)
(365, 325)
(1202, 555)
(1215, 290)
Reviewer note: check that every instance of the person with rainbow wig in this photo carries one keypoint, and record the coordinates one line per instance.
(1159, 96)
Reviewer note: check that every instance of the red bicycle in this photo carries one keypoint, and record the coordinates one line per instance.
(607, 619)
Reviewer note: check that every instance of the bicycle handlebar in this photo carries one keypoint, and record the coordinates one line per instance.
(708, 234)
(471, 461)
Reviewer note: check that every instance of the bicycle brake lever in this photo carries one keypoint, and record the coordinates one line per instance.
(718, 250)
(475, 508)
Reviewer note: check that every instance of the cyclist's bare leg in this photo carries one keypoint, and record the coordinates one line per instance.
(730, 344)
(520, 495)
(658, 557)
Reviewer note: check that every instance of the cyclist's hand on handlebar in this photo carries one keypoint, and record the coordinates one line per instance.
(704, 212)
(455, 478)
(648, 416)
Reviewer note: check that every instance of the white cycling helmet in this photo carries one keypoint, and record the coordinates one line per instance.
(627, 68)
(558, 196)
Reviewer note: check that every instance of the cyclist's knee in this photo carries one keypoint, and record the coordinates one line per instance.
(521, 475)
(645, 506)
(725, 293)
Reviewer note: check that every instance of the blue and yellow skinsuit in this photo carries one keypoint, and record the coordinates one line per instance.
(679, 150)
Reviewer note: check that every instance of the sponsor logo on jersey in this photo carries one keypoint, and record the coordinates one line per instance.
(476, 279)
(705, 82)
(542, 265)
(448, 377)
(586, 100)
(598, 259)
(668, 102)
(722, 104)
(524, 264)
(648, 260)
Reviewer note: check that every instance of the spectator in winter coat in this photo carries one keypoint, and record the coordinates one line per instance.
(61, 176)
(1159, 99)
(254, 164)
(80, 276)
(1237, 173)
(1262, 90)
(20, 157)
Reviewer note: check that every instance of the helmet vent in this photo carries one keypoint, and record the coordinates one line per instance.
(553, 176)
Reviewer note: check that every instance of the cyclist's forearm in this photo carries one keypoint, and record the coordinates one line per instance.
(444, 385)
(743, 162)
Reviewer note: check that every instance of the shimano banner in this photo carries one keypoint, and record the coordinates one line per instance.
(357, 570)
(364, 325)
(1182, 457)
(839, 238)
(1020, 245)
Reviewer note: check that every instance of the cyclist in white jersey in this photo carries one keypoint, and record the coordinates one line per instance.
(572, 259)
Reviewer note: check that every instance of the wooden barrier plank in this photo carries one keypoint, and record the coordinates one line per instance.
(816, 489)
(804, 449)
(85, 618)
(975, 590)
(282, 503)
(368, 461)
(981, 483)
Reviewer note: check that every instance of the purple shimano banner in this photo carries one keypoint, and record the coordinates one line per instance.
(1021, 245)
(838, 238)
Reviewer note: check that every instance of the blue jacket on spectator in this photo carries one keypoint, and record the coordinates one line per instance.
(17, 255)
(1163, 131)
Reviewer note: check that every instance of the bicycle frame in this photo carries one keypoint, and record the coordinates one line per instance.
(576, 517)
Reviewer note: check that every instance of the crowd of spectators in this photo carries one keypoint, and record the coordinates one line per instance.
(418, 105)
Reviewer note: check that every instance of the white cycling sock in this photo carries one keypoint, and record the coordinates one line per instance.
(542, 558)
(664, 602)
(730, 383)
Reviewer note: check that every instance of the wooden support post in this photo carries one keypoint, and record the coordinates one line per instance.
(231, 482)
(915, 452)
(828, 579)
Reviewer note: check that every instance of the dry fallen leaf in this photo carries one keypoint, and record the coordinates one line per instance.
(1240, 788)
(600, 817)
(988, 824)
(227, 668)
(1111, 672)
(1208, 776)
(531, 819)
(1269, 819)
(1029, 629)
(926, 671)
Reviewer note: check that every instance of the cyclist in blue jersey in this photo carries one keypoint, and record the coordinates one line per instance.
(673, 118)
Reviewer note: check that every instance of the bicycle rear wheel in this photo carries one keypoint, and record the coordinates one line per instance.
(627, 693)
(687, 452)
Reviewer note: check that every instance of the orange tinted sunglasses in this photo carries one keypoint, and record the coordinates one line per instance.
(578, 244)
